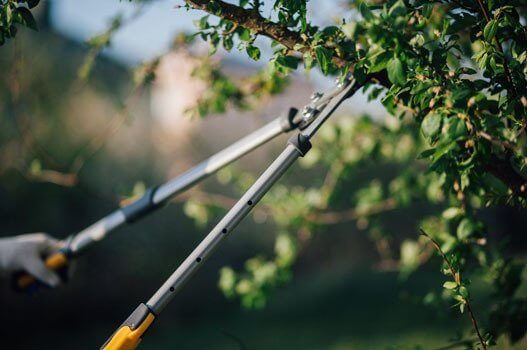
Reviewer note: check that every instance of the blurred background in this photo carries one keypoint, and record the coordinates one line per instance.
(70, 152)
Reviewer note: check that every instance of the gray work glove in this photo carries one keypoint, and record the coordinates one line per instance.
(27, 253)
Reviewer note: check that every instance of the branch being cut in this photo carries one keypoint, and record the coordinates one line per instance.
(249, 19)
(252, 20)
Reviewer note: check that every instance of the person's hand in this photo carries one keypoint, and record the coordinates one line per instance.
(27, 253)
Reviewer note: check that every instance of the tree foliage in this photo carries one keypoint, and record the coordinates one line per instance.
(453, 75)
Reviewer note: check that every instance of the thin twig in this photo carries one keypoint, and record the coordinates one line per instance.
(457, 344)
(508, 74)
(457, 279)
(389, 265)
(463, 6)
(334, 217)
(20, 118)
(501, 143)
(330, 181)
(99, 140)
(54, 177)
(235, 338)
(325, 217)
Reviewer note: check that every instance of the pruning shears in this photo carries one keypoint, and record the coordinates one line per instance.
(131, 331)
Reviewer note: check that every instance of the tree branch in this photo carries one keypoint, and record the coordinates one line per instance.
(249, 19)
(253, 21)
(508, 74)
(334, 217)
(504, 171)
(457, 279)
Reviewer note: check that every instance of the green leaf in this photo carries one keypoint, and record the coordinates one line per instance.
(23, 16)
(410, 251)
(418, 40)
(228, 43)
(457, 129)
(349, 29)
(377, 60)
(450, 285)
(463, 291)
(451, 213)
(466, 228)
(359, 73)
(426, 153)
(308, 60)
(397, 9)
(227, 281)
(442, 150)
(365, 11)
(253, 52)
(324, 57)
(298, 47)
(9, 15)
(427, 9)
(245, 35)
(287, 61)
(490, 30)
(431, 125)
(202, 23)
(396, 72)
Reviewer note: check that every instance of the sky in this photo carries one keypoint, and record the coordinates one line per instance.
(151, 33)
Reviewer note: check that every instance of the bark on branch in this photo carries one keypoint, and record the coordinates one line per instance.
(252, 20)
(249, 19)
(503, 170)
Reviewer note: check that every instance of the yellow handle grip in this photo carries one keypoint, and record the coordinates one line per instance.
(55, 262)
(128, 339)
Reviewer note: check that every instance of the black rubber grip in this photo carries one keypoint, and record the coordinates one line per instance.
(288, 122)
(301, 143)
(140, 207)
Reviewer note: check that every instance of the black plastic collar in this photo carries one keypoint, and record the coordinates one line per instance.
(301, 143)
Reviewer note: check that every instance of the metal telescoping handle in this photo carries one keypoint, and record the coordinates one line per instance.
(156, 196)
(222, 229)
(297, 146)
(220, 159)
(129, 334)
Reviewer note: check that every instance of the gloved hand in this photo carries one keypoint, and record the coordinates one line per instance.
(27, 253)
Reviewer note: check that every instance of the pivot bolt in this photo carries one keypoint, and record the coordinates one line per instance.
(308, 112)
(316, 96)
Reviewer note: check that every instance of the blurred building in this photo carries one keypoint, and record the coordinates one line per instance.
(175, 91)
